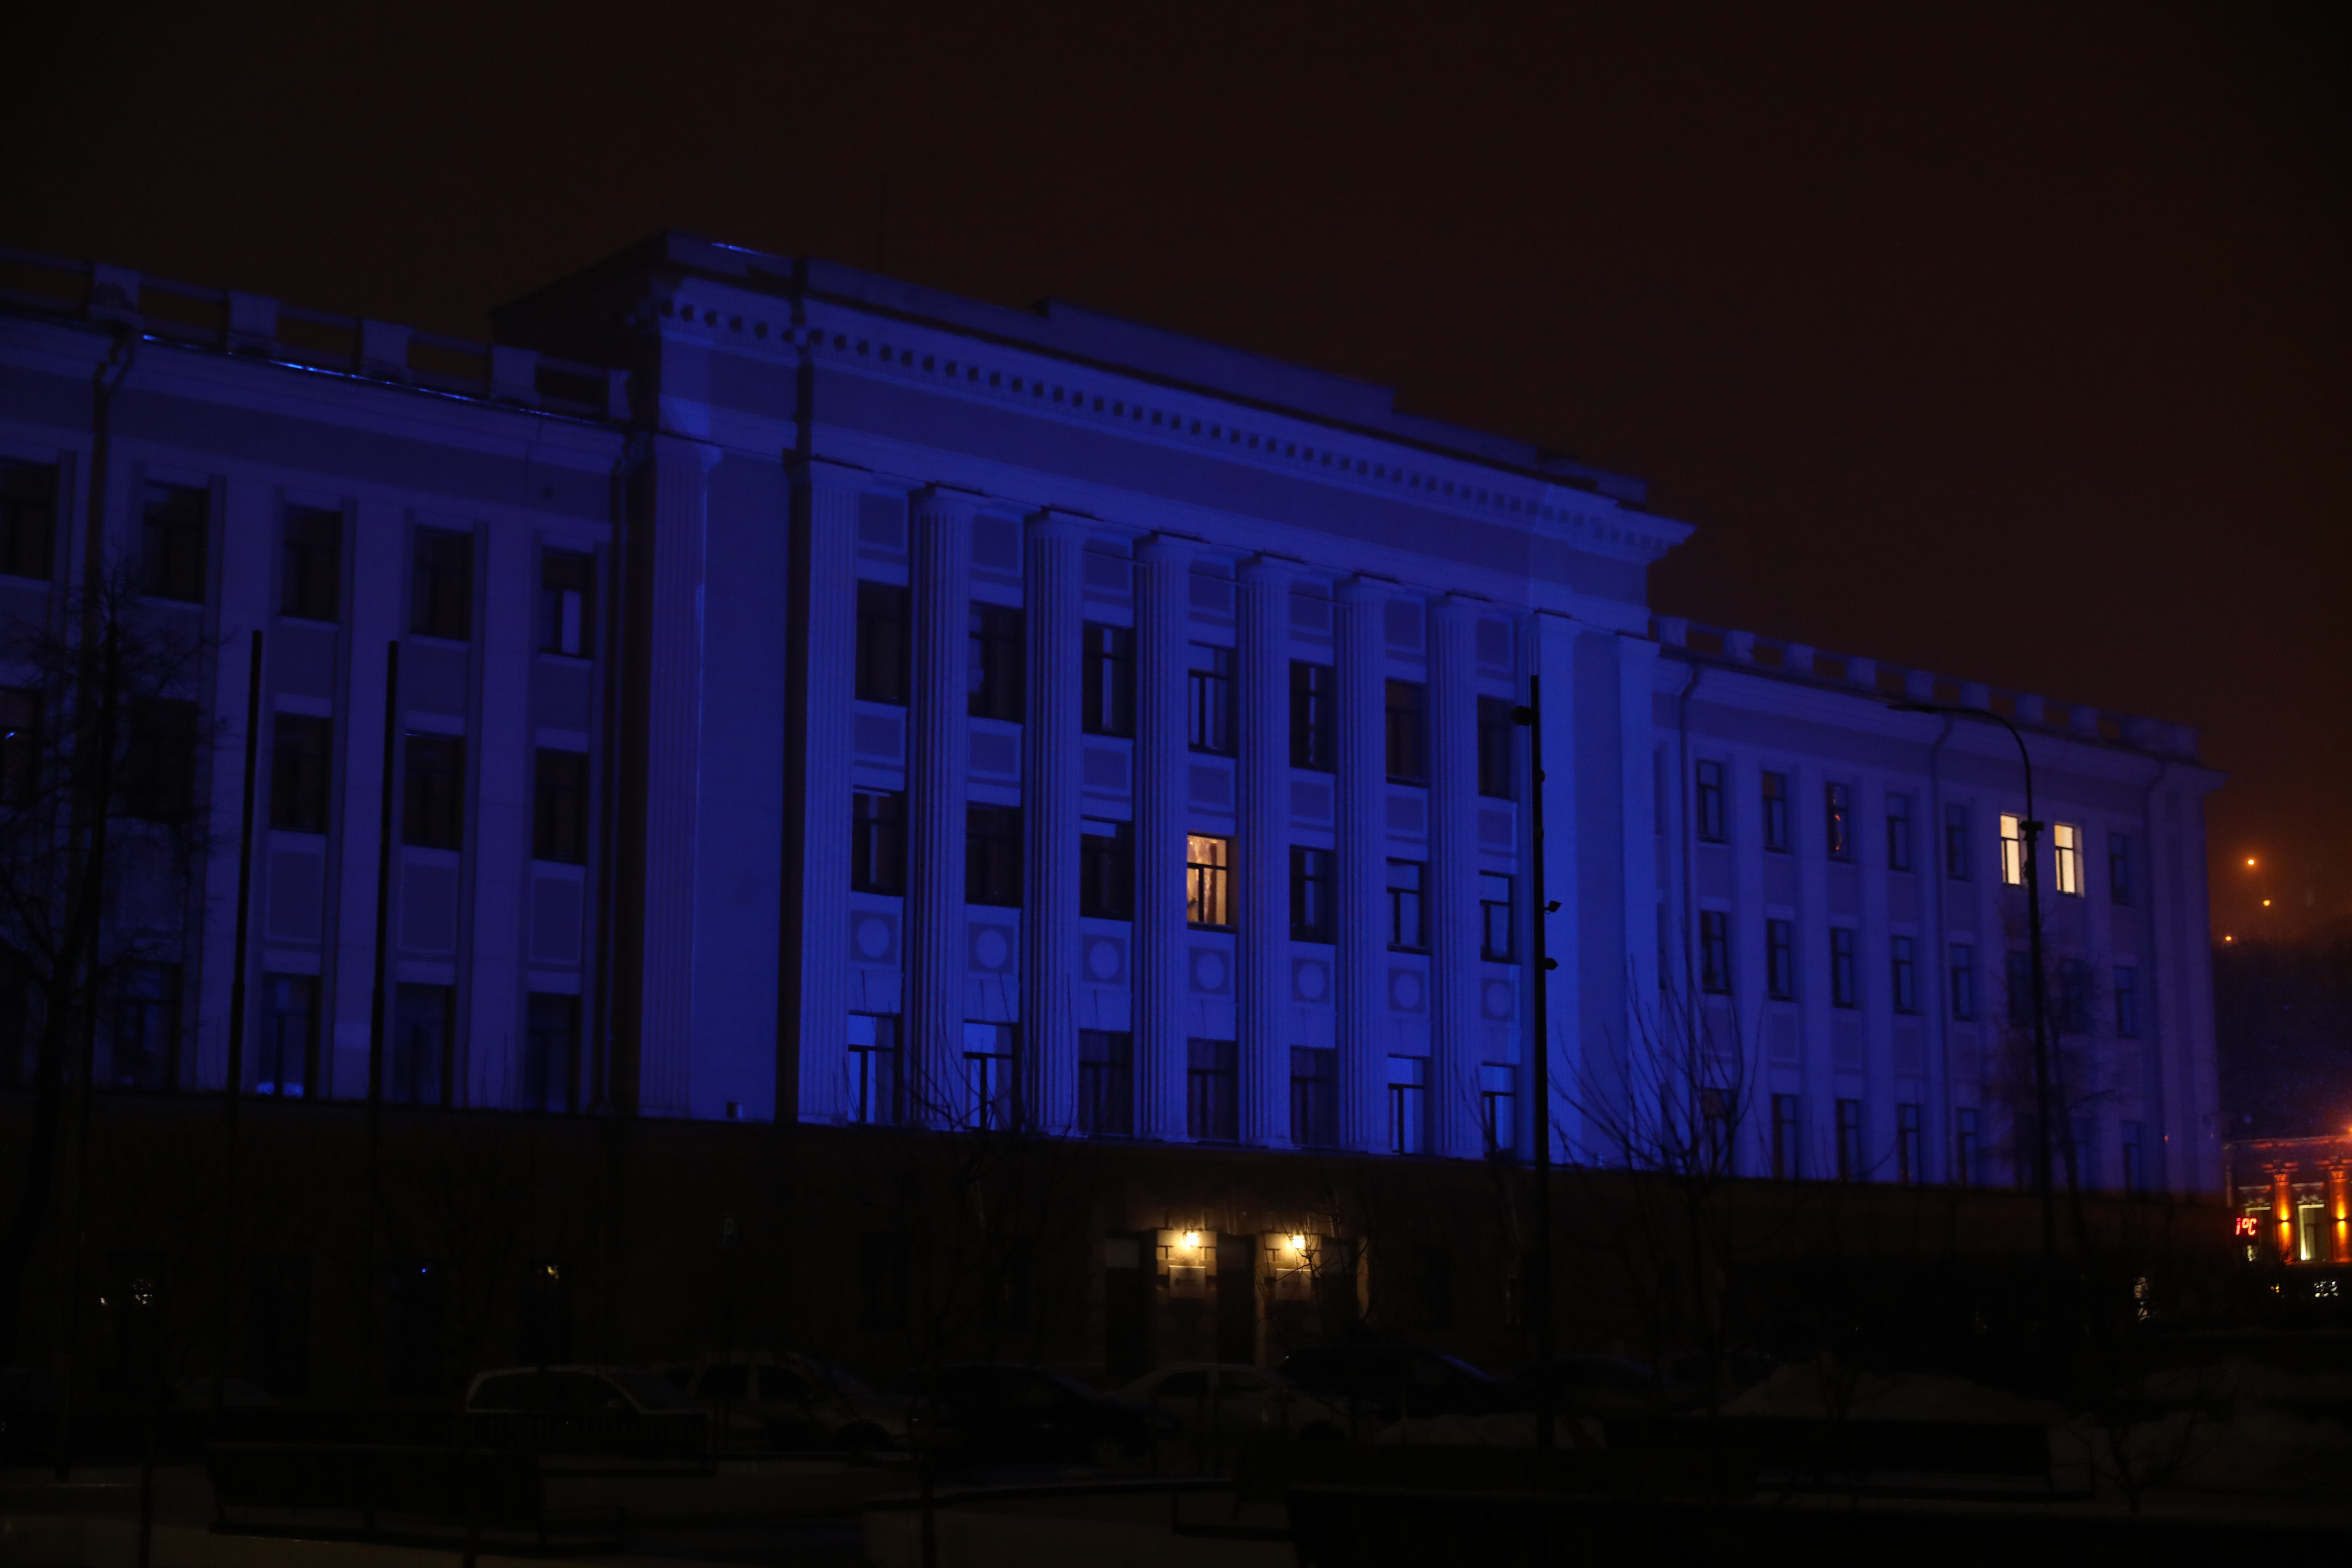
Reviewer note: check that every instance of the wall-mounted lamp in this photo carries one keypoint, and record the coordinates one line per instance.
(1192, 1239)
(1297, 1243)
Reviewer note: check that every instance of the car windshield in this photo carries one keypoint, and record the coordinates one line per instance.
(651, 1391)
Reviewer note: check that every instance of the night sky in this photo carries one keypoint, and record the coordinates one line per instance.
(2012, 344)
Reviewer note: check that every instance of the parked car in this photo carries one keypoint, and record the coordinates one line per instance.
(1606, 1385)
(797, 1400)
(1002, 1412)
(1392, 1383)
(1229, 1401)
(590, 1409)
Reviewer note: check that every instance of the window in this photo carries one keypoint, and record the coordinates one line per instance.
(1498, 1106)
(424, 1019)
(2012, 850)
(2086, 1173)
(1956, 843)
(1849, 1140)
(2020, 989)
(992, 675)
(1714, 951)
(882, 1280)
(1312, 890)
(301, 747)
(1408, 1105)
(1780, 959)
(1907, 1147)
(1208, 865)
(559, 812)
(174, 521)
(876, 1087)
(1776, 812)
(1838, 801)
(146, 1026)
(2066, 847)
(567, 603)
(1106, 1083)
(550, 1051)
(1105, 870)
(432, 806)
(441, 593)
(20, 747)
(1710, 802)
(1209, 698)
(1495, 936)
(2074, 996)
(1109, 678)
(1904, 974)
(1314, 716)
(2126, 1003)
(990, 1099)
(1841, 975)
(2135, 1153)
(286, 1061)
(1407, 749)
(1968, 1149)
(2121, 884)
(991, 855)
(878, 842)
(158, 766)
(882, 647)
(1314, 1097)
(311, 564)
(1898, 833)
(1405, 933)
(1964, 983)
(28, 519)
(1788, 1139)
(1497, 746)
(1212, 1091)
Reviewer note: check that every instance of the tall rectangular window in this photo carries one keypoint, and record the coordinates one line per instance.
(1208, 870)
(2074, 996)
(878, 842)
(1780, 959)
(159, 765)
(1107, 679)
(559, 807)
(1408, 1105)
(1498, 1099)
(991, 855)
(1908, 1147)
(28, 519)
(1714, 951)
(1898, 833)
(993, 676)
(1968, 1148)
(1209, 698)
(301, 753)
(1849, 1140)
(1314, 1097)
(2012, 850)
(432, 797)
(1105, 870)
(2126, 1003)
(1788, 1139)
(1904, 974)
(1776, 812)
(1497, 748)
(1314, 716)
(1405, 929)
(174, 520)
(146, 1026)
(1497, 941)
(1838, 809)
(1106, 1083)
(1212, 1091)
(311, 562)
(1842, 972)
(2066, 847)
(2121, 884)
(550, 1051)
(2020, 989)
(20, 746)
(441, 575)
(286, 1060)
(991, 1099)
(1964, 983)
(2135, 1153)
(1313, 888)
(1710, 801)
(424, 1022)
(567, 603)
(877, 1088)
(1407, 742)
(1956, 843)
(883, 653)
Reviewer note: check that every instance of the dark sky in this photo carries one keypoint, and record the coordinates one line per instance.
(2011, 343)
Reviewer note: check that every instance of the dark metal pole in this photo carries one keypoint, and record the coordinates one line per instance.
(1539, 1074)
(376, 1018)
(236, 1080)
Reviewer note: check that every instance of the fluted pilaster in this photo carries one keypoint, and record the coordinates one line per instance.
(1049, 889)
(1453, 908)
(940, 541)
(816, 943)
(1361, 956)
(1162, 592)
(1264, 873)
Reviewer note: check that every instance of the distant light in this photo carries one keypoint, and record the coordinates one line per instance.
(2266, 903)
(2228, 939)
(1297, 1243)
(1192, 1239)
(2249, 859)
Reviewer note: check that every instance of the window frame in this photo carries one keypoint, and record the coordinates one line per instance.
(1714, 952)
(560, 798)
(1497, 748)
(1903, 973)
(441, 573)
(1774, 794)
(567, 610)
(1208, 881)
(1314, 716)
(1407, 900)
(1212, 721)
(1845, 980)
(301, 777)
(878, 842)
(2012, 849)
(1404, 730)
(1707, 814)
(996, 640)
(1780, 959)
(1492, 908)
(175, 548)
(882, 659)
(1837, 812)
(299, 561)
(1961, 964)
(2066, 859)
(991, 855)
(432, 800)
(1103, 871)
(1958, 831)
(28, 519)
(1898, 831)
(1313, 893)
(1107, 680)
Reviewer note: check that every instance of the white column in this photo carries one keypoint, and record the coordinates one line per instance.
(1550, 644)
(1162, 597)
(1452, 907)
(816, 941)
(939, 543)
(1051, 595)
(494, 1001)
(377, 567)
(1263, 949)
(1361, 990)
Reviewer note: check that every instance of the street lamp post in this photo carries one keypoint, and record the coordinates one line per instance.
(2030, 830)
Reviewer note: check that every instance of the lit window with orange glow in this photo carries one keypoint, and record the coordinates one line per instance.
(1208, 862)
(2066, 847)
(2012, 850)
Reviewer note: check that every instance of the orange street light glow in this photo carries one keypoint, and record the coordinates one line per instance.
(2249, 859)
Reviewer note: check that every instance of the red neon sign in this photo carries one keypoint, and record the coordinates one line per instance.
(2248, 1226)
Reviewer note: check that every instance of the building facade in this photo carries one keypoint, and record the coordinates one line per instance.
(819, 697)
